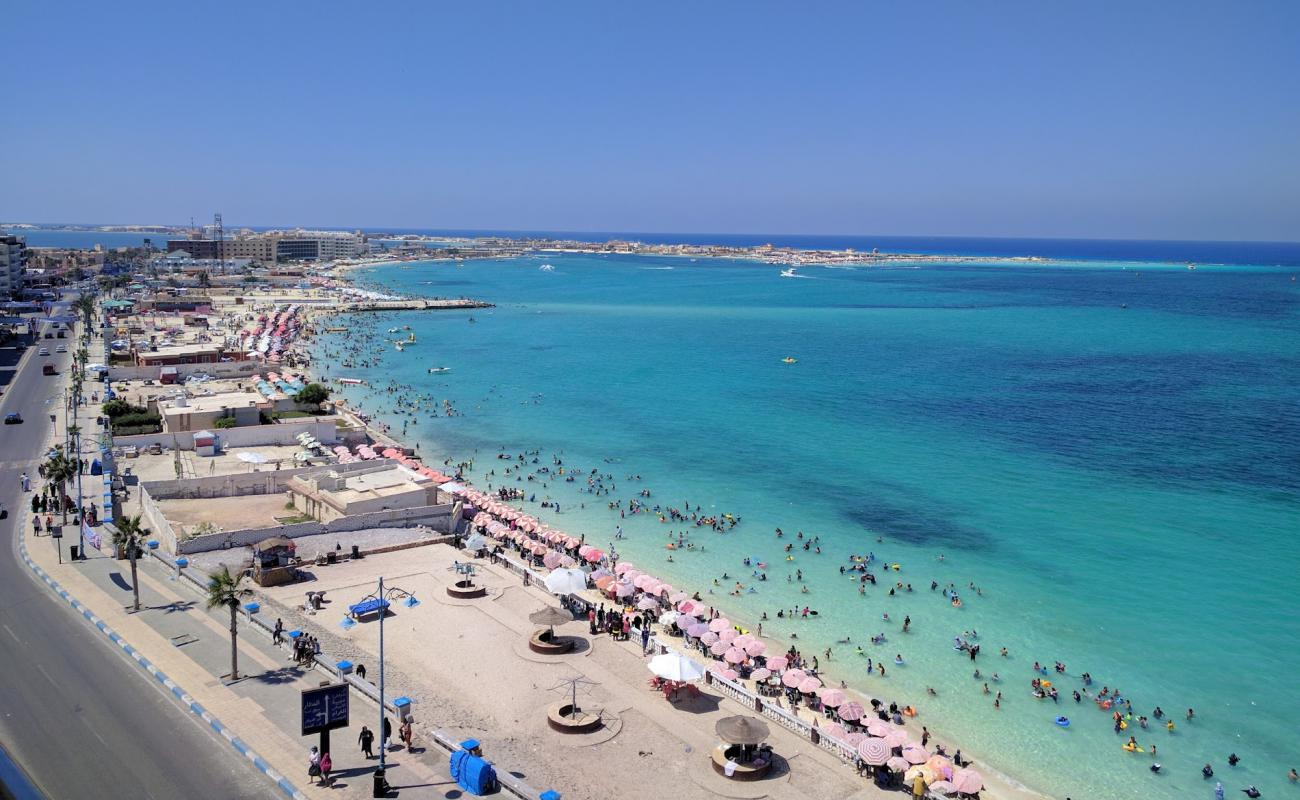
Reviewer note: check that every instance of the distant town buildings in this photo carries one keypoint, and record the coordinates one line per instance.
(13, 258)
(272, 246)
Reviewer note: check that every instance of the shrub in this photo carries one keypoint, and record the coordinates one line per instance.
(313, 394)
(224, 423)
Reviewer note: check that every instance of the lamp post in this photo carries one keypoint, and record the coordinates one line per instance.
(382, 594)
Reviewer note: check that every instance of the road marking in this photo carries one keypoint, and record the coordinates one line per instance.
(11, 633)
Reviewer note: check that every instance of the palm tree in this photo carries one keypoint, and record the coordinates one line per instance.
(60, 469)
(130, 534)
(85, 303)
(227, 590)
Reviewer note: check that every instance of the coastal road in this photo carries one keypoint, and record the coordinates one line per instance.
(77, 715)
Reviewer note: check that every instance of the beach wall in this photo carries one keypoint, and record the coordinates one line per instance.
(227, 369)
(438, 518)
(283, 432)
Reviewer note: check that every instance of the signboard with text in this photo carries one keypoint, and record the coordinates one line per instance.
(324, 709)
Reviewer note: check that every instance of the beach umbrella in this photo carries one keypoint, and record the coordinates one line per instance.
(834, 730)
(475, 543)
(728, 636)
(697, 630)
(568, 562)
(734, 655)
(897, 738)
(942, 787)
(718, 648)
(594, 555)
(897, 764)
(603, 582)
(551, 560)
(761, 674)
(666, 590)
(597, 574)
(647, 603)
(629, 575)
(743, 639)
(742, 730)
(777, 663)
(793, 677)
(915, 753)
(586, 548)
(809, 685)
(850, 710)
(874, 751)
(831, 697)
(922, 771)
(687, 607)
(550, 616)
(623, 589)
(719, 625)
(570, 542)
(968, 781)
(620, 567)
(668, 618)
(854, 739)
(642, 581)
(565, 581)
(678, 597)
(674, 667)
(686, 621)
(709, 638)
(720, 669)
(878, 727)
(755, 648)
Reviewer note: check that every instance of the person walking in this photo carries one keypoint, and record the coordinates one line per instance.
(367, 741)
(313, 764)
(326, 766)
(388, 734)
(361, 671)
(277, 635)
(407, 733)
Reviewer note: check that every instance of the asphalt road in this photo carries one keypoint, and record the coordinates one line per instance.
(79, 717)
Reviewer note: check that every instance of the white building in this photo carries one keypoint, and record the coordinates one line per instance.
(13, 257)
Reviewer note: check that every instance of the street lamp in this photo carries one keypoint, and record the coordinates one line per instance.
(381, 598)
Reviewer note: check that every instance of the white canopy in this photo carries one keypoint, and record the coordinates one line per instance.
(566, 581)
(674, 667)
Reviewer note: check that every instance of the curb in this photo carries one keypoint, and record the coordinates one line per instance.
(198, 710)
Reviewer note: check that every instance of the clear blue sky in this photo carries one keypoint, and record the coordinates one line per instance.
(1133, 119)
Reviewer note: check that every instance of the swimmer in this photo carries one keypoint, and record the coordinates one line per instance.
(1233, 760)
(1207, 771)
(898, 659)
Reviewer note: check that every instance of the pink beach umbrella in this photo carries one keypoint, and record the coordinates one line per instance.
(551, 560)
(586, 548)
(874, 751)
(915, 753)
(568, 562)
(743, 639)
(834, 730)
(718, 648)
(729, 674)
(809, 685)
(755, 648)
(855, 739)
(942, 787)
(697, 630)
(967, 781)
(665, 590)
(878, 727)
(761, 674)
(686, 607)
(620, 567)
(720, 624)
(734, 655)
(940, 766)
(647, 603)
(642, 581)
(709, 638)
(852, 710)
(623, 589)
(793, 677)
(897, 764)
(831, 698)
(678, 597)
(897, 738)
(777, 663)
(594, 555)
(729, 635)
(686, 622)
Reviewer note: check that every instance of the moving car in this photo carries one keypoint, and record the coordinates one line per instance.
(63, 348)
(44, 351)
(13, 418)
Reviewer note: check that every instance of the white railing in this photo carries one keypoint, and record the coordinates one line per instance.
(845, 751)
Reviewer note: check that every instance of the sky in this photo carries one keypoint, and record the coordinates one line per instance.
(1155, 120)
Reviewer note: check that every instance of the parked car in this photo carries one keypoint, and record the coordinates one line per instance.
(13, 418)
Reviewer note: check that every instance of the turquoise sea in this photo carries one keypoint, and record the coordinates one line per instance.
(1109, 451)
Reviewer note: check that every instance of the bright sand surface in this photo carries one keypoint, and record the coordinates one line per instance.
(467, 667)
(1102, 449)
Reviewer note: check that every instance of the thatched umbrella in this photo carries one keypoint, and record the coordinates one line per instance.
(742, 730)
(550, 616)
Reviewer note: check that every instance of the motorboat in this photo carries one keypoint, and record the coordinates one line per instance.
(789, 273)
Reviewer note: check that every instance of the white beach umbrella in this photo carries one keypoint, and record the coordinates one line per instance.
(566, 581)
(675, 667)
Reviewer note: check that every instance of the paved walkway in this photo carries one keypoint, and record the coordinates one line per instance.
(192, 646)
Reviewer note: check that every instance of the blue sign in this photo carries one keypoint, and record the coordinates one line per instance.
(324, 709)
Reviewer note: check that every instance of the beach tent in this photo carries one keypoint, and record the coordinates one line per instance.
(675, 667)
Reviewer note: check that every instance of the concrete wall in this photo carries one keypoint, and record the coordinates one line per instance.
(283, 432)
(228, 369)
(439, 518)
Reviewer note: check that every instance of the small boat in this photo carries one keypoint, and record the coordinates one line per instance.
(398, 345)
(1191, 266)
(788, 273)
(547, 268)
(789, 360)
(438, 370)
(352, 381)
(336, 330)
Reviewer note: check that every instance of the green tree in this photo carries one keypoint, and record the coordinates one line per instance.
(313, 394)
(204, 279)
(60, 469)
(85, 305)
(131, 535)
(228, 590)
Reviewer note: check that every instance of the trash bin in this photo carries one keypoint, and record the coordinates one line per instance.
(331, 557)
(72, 552)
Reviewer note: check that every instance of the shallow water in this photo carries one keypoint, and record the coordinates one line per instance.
(1108, 451)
